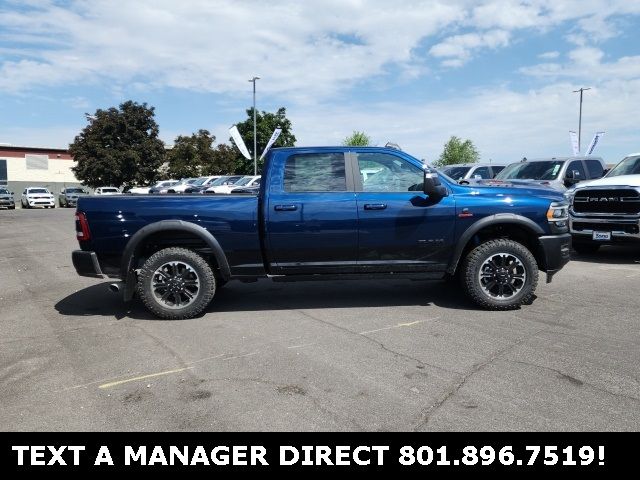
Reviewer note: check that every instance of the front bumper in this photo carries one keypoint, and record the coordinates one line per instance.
(7, 203)
(556, 253)
(40, 202)
(86, 264)
(623, 228)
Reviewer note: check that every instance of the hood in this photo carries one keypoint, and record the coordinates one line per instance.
(518, 188)
(618, 180)
(554, 184)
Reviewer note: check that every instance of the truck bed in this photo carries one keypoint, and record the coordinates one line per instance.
(232, 219)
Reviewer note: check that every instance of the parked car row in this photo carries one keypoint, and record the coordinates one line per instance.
(559, 173)
(33, 197)
(214, 184)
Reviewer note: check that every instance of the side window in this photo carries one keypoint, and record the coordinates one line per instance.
(576, 166)
(24, 192)
(481, 172)
(382, 172)
(595, 168)
(497, 169)
(315, 172)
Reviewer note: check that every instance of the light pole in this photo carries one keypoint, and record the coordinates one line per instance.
(255, 148)
(580, 117)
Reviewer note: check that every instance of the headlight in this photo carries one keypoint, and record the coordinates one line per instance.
(558, 213)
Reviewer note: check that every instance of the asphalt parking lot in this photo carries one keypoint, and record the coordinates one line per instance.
(352, 355)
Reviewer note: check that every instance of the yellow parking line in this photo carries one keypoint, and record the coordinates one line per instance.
(143, 377)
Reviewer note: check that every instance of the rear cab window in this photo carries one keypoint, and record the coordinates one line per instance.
(315, 172)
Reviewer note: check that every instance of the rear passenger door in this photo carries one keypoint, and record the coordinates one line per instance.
(311, 216)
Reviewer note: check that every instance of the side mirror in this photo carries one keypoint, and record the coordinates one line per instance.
(572, 177)
(431, 186)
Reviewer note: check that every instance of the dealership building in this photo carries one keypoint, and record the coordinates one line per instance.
(22, 167)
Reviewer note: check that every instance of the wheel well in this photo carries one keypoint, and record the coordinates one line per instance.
(173, 238)
(511, 231)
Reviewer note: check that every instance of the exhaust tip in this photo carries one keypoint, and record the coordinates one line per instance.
(115, 287)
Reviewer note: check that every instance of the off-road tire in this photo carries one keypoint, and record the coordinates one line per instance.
(470, 273)
(205, 293)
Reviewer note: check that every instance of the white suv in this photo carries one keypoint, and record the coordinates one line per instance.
(37, 197)
(107, 191)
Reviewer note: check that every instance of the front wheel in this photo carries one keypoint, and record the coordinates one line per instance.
(176, 283)
(500, 275)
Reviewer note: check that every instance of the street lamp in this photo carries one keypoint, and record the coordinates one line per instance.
(580, 117)
(255, 148)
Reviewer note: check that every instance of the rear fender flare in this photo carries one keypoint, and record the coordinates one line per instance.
(132, 249)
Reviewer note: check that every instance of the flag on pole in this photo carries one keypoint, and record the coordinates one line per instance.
(235, 134)
(274, 137)
(594, 142)
(574, 143)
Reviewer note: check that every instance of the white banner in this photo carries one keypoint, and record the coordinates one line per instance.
(274, 137)
(235, 134)
(594, 142)
(574, 143)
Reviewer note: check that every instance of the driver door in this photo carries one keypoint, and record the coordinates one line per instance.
(399, 228)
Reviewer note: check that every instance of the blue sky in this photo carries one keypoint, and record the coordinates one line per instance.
(498, 72)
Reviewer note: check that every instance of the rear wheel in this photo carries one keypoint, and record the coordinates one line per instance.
(585, 248)
(500, 275)
(176, 283)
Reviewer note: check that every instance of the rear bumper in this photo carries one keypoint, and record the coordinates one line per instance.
(86, 264)
(556, 252)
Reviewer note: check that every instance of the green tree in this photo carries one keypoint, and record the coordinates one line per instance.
(357, 139)
(457, 151)
(119, 147)
(224, 161)
(191, 155)
(266, 123)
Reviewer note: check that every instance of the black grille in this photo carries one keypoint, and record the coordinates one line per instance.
(629, 228)
(618, 200)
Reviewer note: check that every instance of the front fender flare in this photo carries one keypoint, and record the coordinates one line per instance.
(497, 219)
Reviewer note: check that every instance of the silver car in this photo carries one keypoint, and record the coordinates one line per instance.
(68, 197)
(558, 173)
(472, 171)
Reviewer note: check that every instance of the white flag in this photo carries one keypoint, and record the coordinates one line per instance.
(594, 142)
(574, 143)
(235, 134)
(274, 137)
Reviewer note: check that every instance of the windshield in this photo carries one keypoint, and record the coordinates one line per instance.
(456, 172)
(4, 191)
(38, 190)
(219, 181)
(200, 181)
(73, 190)
(544, 170)
(628, 166)
(243, 181)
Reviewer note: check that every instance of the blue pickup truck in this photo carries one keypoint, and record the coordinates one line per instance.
(326, 213)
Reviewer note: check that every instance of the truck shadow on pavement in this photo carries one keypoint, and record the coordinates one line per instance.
(265, 295)
(611, 254)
